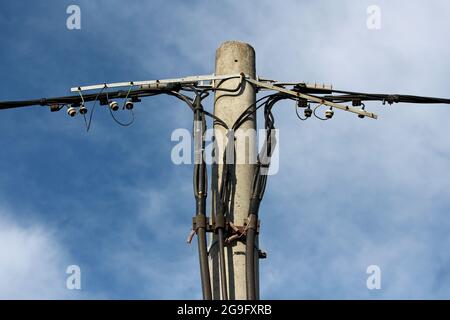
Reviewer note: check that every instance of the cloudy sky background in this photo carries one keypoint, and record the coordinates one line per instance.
(349, 193)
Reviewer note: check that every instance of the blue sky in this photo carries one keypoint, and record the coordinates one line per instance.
(349, 193)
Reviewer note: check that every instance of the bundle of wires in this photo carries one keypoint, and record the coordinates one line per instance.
(258, 184)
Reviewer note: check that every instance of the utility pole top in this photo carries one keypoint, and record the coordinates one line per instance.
(234, 56)
(235, 44)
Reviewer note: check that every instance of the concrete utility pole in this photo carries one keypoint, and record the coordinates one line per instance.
(235, 57)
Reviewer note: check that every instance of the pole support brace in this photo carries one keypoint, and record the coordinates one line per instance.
(219, 222)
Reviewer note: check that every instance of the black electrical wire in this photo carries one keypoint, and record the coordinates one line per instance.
(259, 183)
(91, 114)
(225, 191)
(389, 98)
(228, 181)
(315, 114)
(219, 222)
(232, 92)
(123, 124)
(77, 99)
(189, 102)
(298, 115)
(251, 110)
(345, 96)
(200, 192)
(200, 185)
(238, 88)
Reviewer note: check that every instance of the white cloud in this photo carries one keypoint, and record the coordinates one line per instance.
(32, 263)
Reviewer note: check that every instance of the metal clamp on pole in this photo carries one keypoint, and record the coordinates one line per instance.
(252, 223)
(199, 221)
(239, 233)
(219, 223)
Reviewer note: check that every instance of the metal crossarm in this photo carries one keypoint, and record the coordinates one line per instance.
(156, 83)
(312, 98)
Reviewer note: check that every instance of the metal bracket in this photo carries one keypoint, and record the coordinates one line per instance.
(159, 84)
(209, 81)
(239, 232)
(254, 224)
(262, 254)
(200, 221)
(312, 98)
(233, 232)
